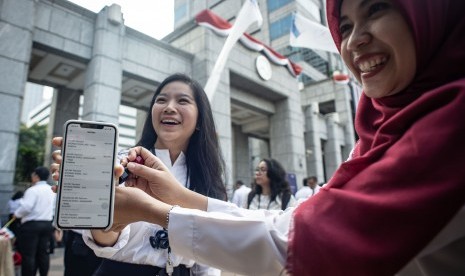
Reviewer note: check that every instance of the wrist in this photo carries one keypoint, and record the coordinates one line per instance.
(167, 221)
(158, 213)
(192, 200)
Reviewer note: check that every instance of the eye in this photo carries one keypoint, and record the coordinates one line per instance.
(377, 7)
(160, 100)
(184, 101)
(344, 29)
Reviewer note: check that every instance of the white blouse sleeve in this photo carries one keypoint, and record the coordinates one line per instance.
(250, 242)
(106, 251)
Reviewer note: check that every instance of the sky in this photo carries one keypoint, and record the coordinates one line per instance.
(151, 17)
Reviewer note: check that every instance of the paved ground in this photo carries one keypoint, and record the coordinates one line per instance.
(56, 264)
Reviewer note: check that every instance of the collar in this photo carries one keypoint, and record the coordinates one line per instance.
(164, 155)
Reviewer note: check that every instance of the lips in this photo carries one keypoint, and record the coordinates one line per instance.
(171, 122)
(370, 63)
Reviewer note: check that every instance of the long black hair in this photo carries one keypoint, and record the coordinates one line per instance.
(205, 163)
(278, 182)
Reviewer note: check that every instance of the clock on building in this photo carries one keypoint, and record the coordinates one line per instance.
(263, 67)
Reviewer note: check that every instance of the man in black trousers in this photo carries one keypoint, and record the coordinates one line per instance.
(36, 212)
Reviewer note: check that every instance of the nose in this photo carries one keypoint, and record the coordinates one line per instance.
(170, 107)
(359, 37)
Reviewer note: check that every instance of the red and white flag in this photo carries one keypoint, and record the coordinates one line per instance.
(249, 14)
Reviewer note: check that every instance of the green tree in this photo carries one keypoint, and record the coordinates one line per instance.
(31, 149)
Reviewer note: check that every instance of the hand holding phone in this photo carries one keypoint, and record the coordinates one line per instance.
(86, 192)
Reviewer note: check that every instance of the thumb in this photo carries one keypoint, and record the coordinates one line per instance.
(143, 171)
(118, 170)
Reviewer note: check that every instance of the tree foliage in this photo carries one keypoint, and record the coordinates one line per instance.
(31, 149)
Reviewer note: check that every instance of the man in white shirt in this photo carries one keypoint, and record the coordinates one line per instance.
(310, 188)
(36, 212)
(240, 194)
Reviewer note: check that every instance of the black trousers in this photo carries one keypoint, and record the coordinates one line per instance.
(114, 268)
(79, 259)
(33, 244)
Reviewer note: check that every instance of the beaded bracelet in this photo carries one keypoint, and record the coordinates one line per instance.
(168, 216)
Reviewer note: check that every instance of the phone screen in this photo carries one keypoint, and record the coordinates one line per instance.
(86, 179)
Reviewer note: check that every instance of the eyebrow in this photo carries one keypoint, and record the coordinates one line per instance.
(363, 4)
(182, 94)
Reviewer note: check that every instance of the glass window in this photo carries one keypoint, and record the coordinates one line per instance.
(307, 55)
(180, 12)
(280, 27)
(276, 4)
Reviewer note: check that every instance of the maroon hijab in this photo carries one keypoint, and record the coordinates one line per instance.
(406, 179)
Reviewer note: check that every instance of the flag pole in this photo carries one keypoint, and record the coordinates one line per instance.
(248, 14)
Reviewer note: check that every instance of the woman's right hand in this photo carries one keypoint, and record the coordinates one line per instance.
(162, 184)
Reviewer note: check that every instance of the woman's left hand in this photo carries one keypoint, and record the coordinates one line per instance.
(132, 205)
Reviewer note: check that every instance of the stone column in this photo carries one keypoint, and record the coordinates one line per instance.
(241, 159)
(16, 26)
(333, 146)
(287, 136)
(102, 92)
(64, 107)
(140, 121)
(313, 137)
(342, 102)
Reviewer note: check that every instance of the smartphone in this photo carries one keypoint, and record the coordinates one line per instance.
(86, 189)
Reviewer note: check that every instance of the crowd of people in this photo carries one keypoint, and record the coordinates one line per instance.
(395, 207)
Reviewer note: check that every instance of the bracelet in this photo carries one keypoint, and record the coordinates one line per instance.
(168, 216)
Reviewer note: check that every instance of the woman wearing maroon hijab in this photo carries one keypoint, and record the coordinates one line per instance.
(406, 178)
(403, 184)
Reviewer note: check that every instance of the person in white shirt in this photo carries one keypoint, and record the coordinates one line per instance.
(271, 190)
(310, 188)
(240, 194)
(36, 212)
(179, 129)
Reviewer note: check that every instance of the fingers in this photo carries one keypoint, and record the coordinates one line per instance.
(57, 141)
(56, 156)
(55, 170)
(141, 170)
(143, 152)
(119, 169)
(150, 160)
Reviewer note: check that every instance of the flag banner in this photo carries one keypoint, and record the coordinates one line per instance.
(249, 14)
(222, 27)
(306, 33)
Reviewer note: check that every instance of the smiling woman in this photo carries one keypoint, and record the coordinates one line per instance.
(377, 46)
(180, 130)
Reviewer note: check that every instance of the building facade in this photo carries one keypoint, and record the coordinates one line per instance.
(308, 128)
(328, 108)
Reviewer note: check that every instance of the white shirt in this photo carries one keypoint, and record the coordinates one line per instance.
(263, 202)
(248, 242)
(254, 242)
(306, 192)
(240, 196)
(37, 204)
(133, 245)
